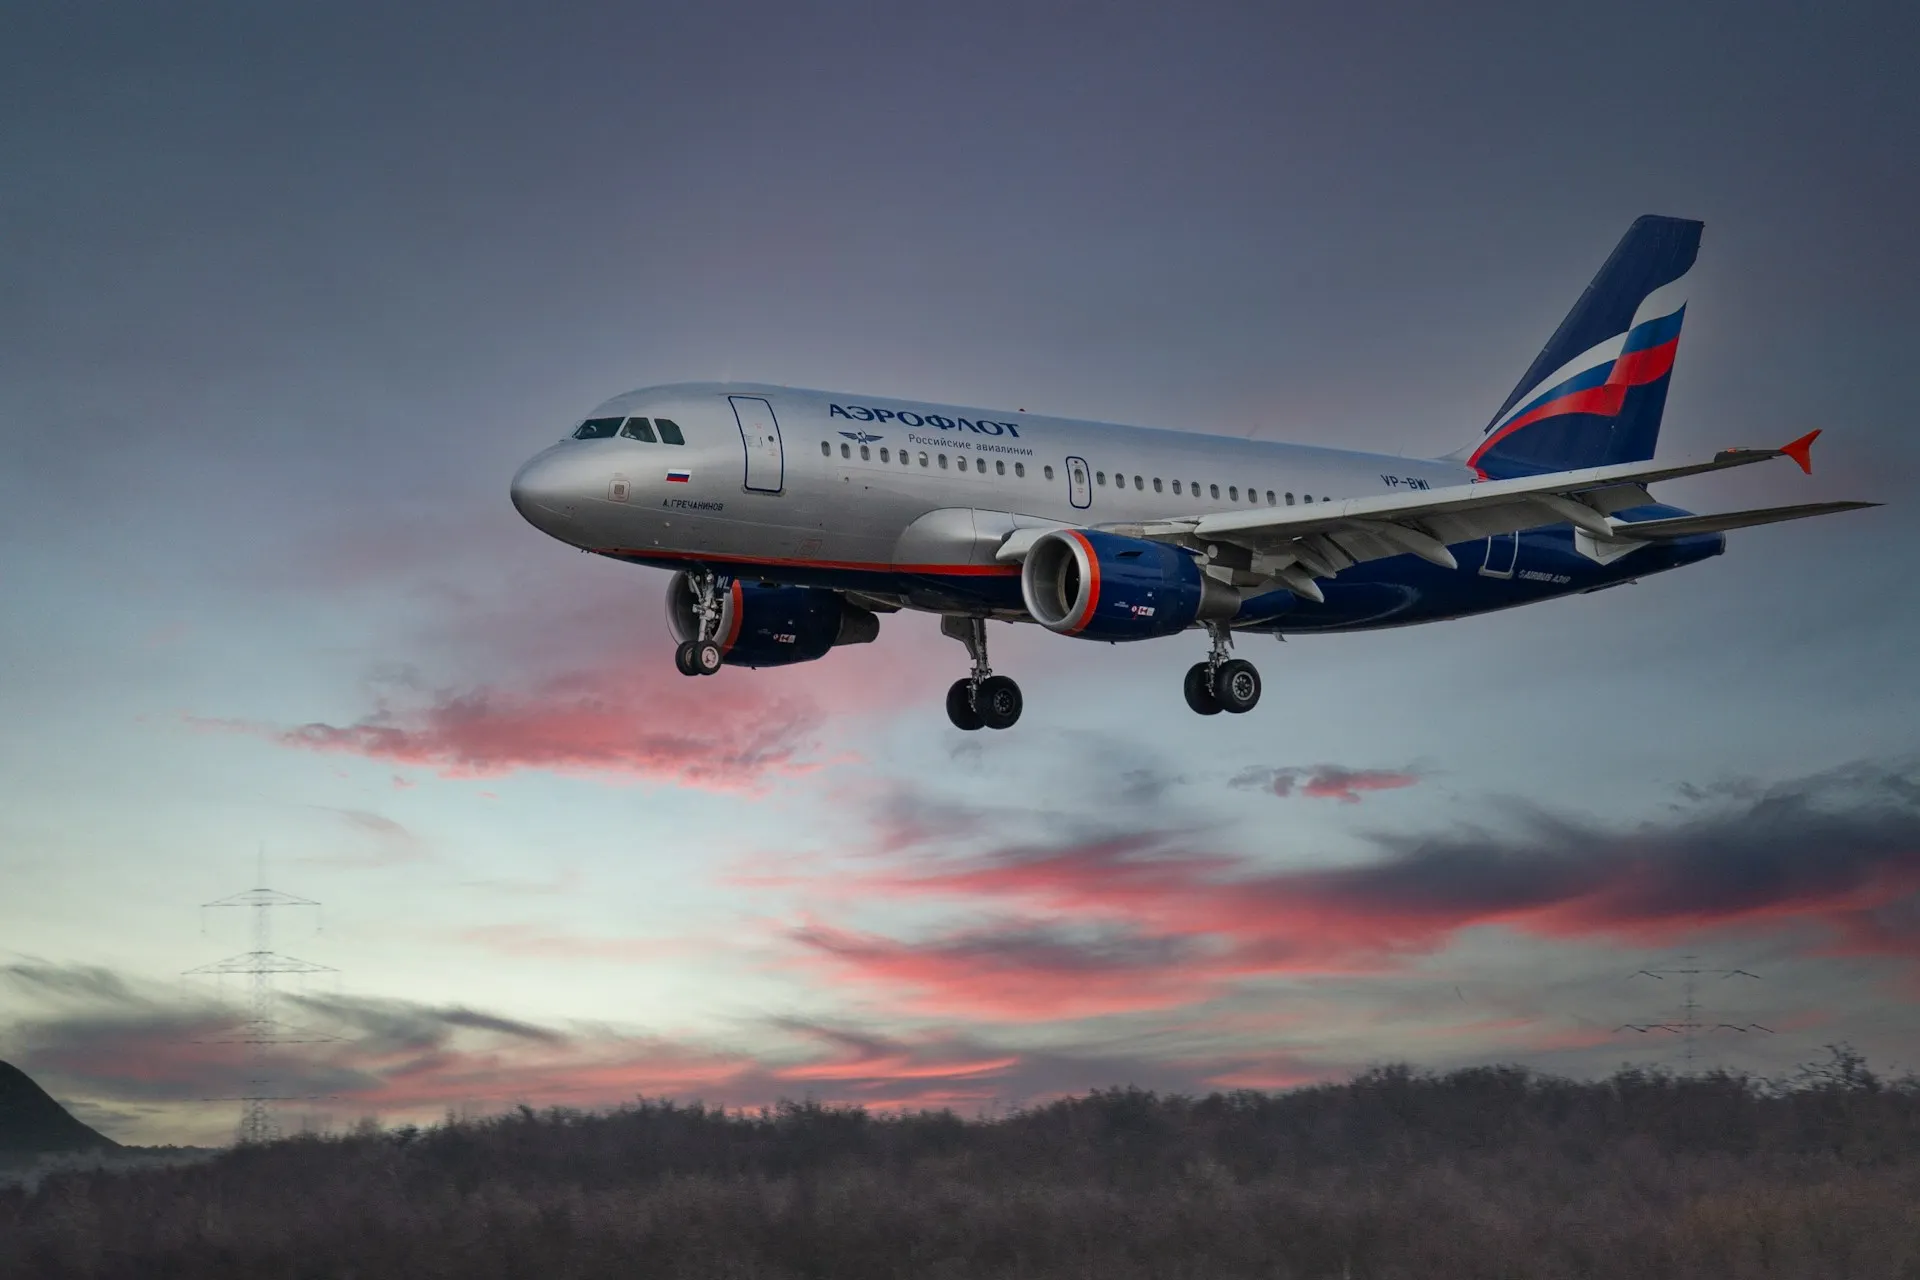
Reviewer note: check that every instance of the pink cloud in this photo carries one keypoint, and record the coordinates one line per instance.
(1324, 781)
(1830, 865)
(1021, 974)
(718, 733)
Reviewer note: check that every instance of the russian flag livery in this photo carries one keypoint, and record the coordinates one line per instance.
(1595, 394)
(679, 477)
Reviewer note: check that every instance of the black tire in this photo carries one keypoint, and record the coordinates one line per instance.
(683, 659)
(1199, 691)
(707, 657)
(1236, 686)
(998, 702)
(960, 706)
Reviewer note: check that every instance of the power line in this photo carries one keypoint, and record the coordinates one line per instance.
(1690, 1021)
(261, 1031)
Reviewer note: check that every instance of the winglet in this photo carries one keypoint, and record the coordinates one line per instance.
(1801, 450)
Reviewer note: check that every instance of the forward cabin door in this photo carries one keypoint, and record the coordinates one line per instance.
(760, 437)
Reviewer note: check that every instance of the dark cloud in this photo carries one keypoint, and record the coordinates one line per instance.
(1825, 864)
(127, 1065)
(68, 982)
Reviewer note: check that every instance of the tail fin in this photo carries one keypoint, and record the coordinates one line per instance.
(1595, 393)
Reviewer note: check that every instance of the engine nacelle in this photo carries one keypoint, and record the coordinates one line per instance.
(1101, 586)
(772, 626)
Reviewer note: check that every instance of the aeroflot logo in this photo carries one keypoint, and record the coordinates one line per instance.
(862, 437)
(908, 418)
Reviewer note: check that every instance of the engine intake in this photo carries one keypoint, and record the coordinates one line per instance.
(772, 626)
(1101, 586)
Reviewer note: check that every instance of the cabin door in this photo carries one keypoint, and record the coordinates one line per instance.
(760, 437)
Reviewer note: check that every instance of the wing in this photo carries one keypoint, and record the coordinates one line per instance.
(1686, 526)
(1294, 546)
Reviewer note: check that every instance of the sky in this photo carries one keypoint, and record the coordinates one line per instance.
(287, 293)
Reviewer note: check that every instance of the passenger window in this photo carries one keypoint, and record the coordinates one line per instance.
(1048, 471)
(1100, 477)
(999, 466)
(1139, 482)
(845, 452)
(826, 450)
(1156, 484)
(596, 429)
(883, 454)
(1020, 469)
(1195, 486)
(1270, 501)
(1289, 499)
(1176, 486)
(1306, 497)
(943, 462)
(923, 459)
(866, 454)
(1233, 493)
(903, 458)
(638, 429)
(669, 431)
(1214, 489)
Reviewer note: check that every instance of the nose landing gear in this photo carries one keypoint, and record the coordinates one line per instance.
(1222, 683)
(982, 700)
(702, 657)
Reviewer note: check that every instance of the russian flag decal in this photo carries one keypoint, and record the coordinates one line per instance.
(679, 477)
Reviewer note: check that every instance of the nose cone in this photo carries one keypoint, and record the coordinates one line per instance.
(544, 496)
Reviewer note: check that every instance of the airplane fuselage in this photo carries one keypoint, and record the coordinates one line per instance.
(908, 503)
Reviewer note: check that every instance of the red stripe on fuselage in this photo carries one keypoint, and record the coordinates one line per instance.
(864, 566)
(1093, 583)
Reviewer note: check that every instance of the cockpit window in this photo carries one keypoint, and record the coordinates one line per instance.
(638, 429)
(669, 431)
(596, 429)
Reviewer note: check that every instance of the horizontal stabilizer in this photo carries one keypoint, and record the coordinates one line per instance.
(1687, 526)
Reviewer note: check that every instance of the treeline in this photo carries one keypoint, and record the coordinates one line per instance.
(1488, 1172)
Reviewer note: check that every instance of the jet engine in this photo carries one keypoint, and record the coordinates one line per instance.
(1102, 586)
(762, 626)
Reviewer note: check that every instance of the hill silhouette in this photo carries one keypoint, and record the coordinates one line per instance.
(33, 1124)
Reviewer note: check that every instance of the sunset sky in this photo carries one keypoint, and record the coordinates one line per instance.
(287, 292)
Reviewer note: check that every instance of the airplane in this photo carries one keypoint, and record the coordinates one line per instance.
(793, 519)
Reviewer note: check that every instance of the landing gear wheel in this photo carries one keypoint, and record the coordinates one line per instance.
(1236, 685)
(997, 702)
(1199, 690)
(960, 706)
(706, 657)
(683, 658)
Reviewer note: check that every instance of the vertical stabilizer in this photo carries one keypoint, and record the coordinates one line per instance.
(1595, 393)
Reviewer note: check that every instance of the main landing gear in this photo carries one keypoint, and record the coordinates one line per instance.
(702, 657)
(1222, 683)
(983, 700)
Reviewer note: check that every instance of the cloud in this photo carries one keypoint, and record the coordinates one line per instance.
(1322, 781)
(718, 733)
(390, 842)
(525, 942)
(143, 1052)
(1021, 973)
(39, 980)
(1141, 920)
